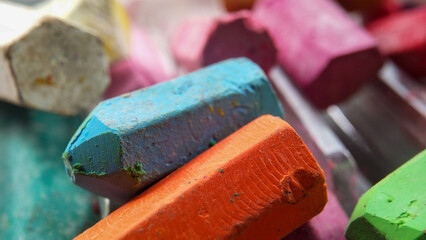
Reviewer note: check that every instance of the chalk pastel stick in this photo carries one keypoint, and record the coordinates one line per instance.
(402, 37)
(395, 207)
(330, 224)
(107, 19)
(48, 64)
(142, 68)
(261, 182)
(201, 42)
(130, 142)
(236, 5)
(326, 54)
(37, 199)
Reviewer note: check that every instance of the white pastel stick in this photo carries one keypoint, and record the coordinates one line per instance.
(48, 64)
(106, 19)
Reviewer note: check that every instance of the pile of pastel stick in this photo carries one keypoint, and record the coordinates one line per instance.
(213, 119)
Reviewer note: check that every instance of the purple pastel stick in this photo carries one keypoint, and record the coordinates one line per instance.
(326, 54)
(201, 42)
(330, 224)
(142, 69)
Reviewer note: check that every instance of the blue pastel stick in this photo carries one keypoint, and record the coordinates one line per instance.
(130, 142)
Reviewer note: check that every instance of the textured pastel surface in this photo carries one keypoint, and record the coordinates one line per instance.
(326, 54)
(129, 142)
(37, 199)
(395, 208)
(201, 42)
(402, 37)
(261, 182)
(330, 224)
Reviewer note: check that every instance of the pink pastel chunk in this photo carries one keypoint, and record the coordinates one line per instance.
(201, 42)
(402, 37)
(326, 54)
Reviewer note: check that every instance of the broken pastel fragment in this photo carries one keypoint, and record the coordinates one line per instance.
(325, 53)
(330, 224)
(106, 19)
(395, 207)
(48, 64)
(201, 42)
(402, 37)
(130, 142)
(261, 182)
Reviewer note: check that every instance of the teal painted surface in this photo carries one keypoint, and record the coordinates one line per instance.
(37, 199)
(130, 142)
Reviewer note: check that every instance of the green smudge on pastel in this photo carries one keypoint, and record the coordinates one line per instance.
(135, 171)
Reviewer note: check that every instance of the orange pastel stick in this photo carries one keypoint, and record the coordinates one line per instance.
(259, 183)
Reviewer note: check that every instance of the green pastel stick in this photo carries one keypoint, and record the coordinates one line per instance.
(395, 208)
(37, 199)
